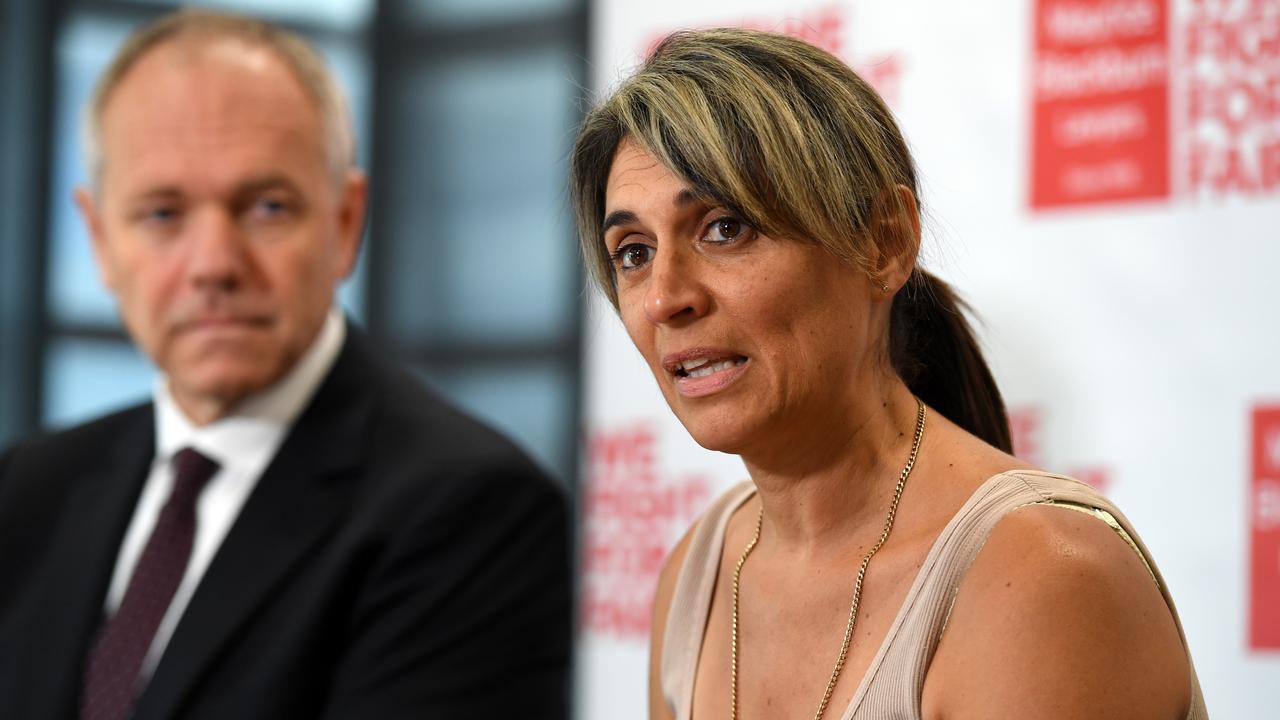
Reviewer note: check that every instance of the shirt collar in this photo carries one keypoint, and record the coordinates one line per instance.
(254, 430)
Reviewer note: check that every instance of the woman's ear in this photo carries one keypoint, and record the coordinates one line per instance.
(895, 223)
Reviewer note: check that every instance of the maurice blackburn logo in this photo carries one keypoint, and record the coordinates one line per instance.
(1264, 521)
(1145, 100)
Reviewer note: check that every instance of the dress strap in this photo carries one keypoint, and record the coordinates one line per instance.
(691, 600)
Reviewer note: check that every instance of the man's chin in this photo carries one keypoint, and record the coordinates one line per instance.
(219, 390)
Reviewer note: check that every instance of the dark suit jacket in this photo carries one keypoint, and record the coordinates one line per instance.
(396, 560)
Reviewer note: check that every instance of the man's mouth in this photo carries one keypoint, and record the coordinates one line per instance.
(217, 323)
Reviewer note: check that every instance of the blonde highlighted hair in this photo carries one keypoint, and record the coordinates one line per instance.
(798, 145)
(779, 131)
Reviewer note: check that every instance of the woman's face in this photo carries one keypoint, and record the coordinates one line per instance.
(754, 340)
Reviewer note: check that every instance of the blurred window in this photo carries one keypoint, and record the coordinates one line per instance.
(84, 378)
(334, 14)
(444, 12)
(492, 255)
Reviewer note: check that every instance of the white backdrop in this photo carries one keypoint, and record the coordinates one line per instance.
(1102, 182)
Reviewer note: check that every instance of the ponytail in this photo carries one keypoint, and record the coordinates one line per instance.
(933, 349)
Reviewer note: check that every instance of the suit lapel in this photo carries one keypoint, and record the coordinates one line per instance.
(293, 507)
(81, 563)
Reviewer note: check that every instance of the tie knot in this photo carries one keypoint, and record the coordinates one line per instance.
(191, 471)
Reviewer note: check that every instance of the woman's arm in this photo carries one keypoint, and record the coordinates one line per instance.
(1058, 618)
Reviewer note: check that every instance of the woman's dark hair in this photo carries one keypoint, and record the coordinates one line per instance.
(799, 146)
(934, 351)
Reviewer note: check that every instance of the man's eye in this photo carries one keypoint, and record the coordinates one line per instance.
(270, 208)
(158, 215)
(163, 219)
(726, 229)
(634, 255)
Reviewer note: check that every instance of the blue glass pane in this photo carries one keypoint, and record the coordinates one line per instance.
(75, 293)
(532, 405)
(337, 14)
(88, 378)
(479, 11)
(86, 45)
(482, 237)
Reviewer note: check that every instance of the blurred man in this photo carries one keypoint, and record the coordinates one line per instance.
(293, 528)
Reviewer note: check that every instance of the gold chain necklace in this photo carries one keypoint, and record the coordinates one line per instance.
(857, 585)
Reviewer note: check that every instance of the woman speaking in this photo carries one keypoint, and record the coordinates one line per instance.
(750, 207)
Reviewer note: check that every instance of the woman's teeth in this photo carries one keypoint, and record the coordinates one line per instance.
(712, 368)
(702, 367)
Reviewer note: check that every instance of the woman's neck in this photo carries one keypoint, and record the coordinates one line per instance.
(831, 485)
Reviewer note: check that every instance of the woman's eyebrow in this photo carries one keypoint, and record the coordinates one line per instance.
(617, 217)
(684, 198)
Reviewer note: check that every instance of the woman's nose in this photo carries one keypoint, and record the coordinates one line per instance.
(675, 293)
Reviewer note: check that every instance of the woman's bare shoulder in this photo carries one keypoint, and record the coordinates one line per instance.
(1058, 617)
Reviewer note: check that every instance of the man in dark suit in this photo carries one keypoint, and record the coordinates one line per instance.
(293, 528)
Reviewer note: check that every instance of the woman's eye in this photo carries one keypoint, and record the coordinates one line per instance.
(726, 229)
(634, 255)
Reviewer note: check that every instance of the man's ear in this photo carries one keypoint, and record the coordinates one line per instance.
(87, 203)
(896, 229)
(353, 204)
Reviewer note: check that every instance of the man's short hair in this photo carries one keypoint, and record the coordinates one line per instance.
(203, 26)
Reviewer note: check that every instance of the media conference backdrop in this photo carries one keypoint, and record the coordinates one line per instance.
(1102, 181)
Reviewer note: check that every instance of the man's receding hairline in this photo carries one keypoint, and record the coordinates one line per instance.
(191, 48)
(188, 52)
(189, 32)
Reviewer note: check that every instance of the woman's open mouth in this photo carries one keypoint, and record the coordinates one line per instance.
(701, 372)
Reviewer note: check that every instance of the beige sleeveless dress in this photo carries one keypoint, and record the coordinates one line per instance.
(891, 688)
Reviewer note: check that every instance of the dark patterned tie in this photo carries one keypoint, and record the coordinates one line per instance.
(111, 678)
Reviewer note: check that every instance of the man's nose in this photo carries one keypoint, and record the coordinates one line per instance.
(218, 257)
(675, 293)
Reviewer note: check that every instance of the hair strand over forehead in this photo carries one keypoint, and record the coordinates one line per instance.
(781, 132)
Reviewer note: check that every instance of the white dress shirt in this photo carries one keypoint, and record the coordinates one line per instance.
(243, 444)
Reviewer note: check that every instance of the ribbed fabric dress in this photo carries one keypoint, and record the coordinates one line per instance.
(891, 688)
